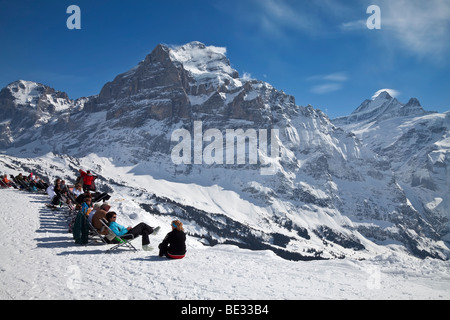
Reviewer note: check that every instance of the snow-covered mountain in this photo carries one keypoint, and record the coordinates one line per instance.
(379, 108)
(26, 107)
(417, 145)
(326, 194)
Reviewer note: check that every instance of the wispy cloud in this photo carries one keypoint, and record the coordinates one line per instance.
(354, 25)
(328, 83)
(281, 17)
(420, 27)
(326, 88)
(416, 26)
(339, 76)
(247, 76)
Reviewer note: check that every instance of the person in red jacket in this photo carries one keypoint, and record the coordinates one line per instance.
(6, 181)
(88, 180)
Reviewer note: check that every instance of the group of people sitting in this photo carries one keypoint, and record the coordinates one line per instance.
(94, 207)
(23, 182)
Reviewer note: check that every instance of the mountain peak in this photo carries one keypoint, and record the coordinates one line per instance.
(380, 102)
(385, 94)
(382, 95)
(203, 61)
(382, 106)
(34, 95)
(193, 44)
(26, 92)
(413, 107)
(413, 102)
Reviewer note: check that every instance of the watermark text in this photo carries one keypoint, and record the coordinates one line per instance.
(239, 146)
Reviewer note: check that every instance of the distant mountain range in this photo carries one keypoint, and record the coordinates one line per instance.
(354, 186)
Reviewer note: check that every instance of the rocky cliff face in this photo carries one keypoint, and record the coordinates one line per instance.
(191, 81)
(328, 192)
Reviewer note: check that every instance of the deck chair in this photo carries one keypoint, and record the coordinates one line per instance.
(101, 197)
(124, 241)
(94, 236)
(71, 197)
(70, 214)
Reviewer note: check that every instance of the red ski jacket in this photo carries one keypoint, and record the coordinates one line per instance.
(87, 178)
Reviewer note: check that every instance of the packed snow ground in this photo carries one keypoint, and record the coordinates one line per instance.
(39, 260)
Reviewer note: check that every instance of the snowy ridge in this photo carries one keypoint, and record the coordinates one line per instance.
(32, 94)
(381, 107)
(27, 107)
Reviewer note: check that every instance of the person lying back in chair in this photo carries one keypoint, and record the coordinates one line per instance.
(141, 229)
(100, 214)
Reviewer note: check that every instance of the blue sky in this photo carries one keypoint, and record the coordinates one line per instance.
(319, 51)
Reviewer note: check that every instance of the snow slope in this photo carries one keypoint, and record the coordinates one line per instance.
(39, 260)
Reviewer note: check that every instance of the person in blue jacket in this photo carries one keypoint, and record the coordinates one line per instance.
(142, 229)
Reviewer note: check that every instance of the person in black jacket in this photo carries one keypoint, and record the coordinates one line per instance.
(174, 244)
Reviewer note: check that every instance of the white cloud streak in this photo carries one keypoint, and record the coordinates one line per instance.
(328, 83)
(420, 27)
(326, 88)
(280, 17)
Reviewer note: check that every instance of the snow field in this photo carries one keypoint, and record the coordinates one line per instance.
(39, 260)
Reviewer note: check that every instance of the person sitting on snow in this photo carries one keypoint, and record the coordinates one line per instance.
(174, 244)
